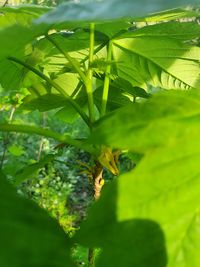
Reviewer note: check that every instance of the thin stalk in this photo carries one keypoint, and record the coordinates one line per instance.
(47, 133)
(91, 257)
(77, 89)
(106, 80)
(55, 85)
(6, 139)
(71, 60)
(96, 50)
(42, 139)
(89, 85)
(5, 3)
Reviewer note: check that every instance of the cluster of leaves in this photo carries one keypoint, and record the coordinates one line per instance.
(92, 64)
(55, 181)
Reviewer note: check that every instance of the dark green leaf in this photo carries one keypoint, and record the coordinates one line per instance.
(44, 102)
(116, 98)
(128, 88)
(30, 171)
(29, 237)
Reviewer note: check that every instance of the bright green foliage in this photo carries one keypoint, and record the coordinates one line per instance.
(180, 31)
(31, 170)
(166, 57)
(28, 236)
(163, 119)
(163, 189)
(22, 15)
(100, 62)
(16, 150)
(168, 15)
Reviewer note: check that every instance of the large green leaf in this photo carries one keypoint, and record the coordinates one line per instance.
(168, 15)
(161, 62)
(11, 44)
(68, 114)
(181, 31)
(152, 123)
(113, 9)
(22, 15)
(29, 237)
(163, 188)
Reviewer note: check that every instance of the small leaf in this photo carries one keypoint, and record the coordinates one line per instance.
(44, 103)
(31, 170)
(116, 98)
(126, 86)
(16, 150)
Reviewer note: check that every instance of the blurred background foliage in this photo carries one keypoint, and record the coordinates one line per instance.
(34, 2)
(60, 183)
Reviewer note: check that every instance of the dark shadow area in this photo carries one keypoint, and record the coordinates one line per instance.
(131, 243)
(135, 243)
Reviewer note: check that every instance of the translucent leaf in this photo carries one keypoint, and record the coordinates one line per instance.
(101, 10)
(160, 62)
(22, 15)
(171, 14)
(161, 192)
(152, 123)
(181, 31)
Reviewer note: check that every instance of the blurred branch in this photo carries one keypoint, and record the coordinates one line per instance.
(42, 139)
(5, 3)
(6, 138)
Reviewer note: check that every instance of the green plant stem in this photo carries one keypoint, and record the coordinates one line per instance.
(76, 90)
(106, 80)
(55, 85)
(89, 85)
(72, 61)
(6, 139)
(96, 50)
(66, 139)
(91, 257)
(42, 139)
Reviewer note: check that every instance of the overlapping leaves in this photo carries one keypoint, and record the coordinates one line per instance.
(113, 9)
(163, 189)
(152, 211)
(140, 55)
